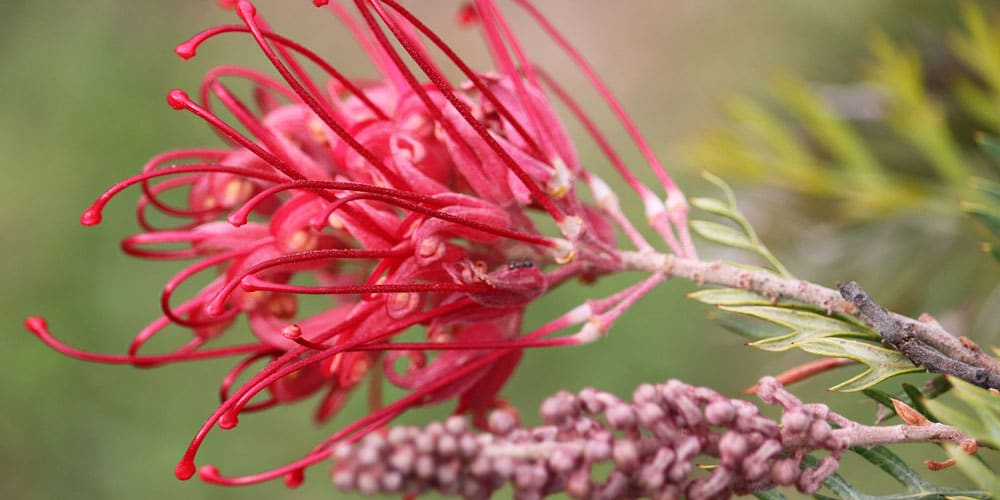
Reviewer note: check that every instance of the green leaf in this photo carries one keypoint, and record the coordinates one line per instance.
(804, 326)
(741, 297)
(724, 235)
(977, 414)
(783, 326)
(917, 488)
(731, 297)
(747, 327)
(713, 206)
(769, 495)
(726, 190)
(986, 209)
(986, 215)
(990, 145)
(744, 237)
(985, 186)
(894, 466)
(834, 133)
(881, 397)
(992, 250)
(883, 363)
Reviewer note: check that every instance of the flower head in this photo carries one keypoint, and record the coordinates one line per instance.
(405, 201)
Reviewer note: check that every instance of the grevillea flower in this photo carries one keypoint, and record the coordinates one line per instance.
(405, 201)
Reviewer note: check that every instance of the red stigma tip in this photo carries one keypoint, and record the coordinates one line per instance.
(320, 3)
(291, 332)
(186, 50)
(247, 283)
(177, 98)
(294, 479)
(90, 217)
(245, 10)
(467, 15)
(215, 307)
(184, 469)
(208, 472)
(228, 420)
(36, 325)
(227, 4)
(237, 219)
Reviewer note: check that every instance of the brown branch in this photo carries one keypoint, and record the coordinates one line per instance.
(902, 335)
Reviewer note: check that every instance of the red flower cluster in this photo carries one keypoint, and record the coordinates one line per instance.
(407, 201)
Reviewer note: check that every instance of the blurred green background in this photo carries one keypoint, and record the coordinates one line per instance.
(82, 105)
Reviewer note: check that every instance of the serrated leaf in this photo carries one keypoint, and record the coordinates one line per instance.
(882, 363)
(804, 326)
(779, 327)
(722, 234)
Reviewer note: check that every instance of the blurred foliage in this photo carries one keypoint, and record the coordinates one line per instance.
(841, 142)
(984, 202)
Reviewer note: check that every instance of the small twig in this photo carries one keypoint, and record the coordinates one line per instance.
(765, 283)
(903, 336)
(804, 371)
